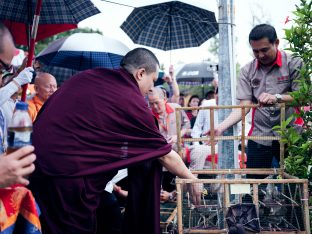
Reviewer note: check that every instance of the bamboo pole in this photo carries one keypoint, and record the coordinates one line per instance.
(282, 146)
(241, 181)
(208, 138)
(173, 214)
(179, 138)
(179, 208)
(205, 231)
(251, 171)
(287, 176)
(276, 232)
(226, 201)
(243, 137)
(212, 137)
(256, 197)
(306, 207)
(227, 107)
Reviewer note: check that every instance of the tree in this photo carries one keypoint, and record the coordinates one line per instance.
(299, 150)
(213, 48)
(300, 145)
(40, 45)
(259, 15)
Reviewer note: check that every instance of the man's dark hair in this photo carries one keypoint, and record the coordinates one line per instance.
(3, 31)
(140, 58)
(210, 95)
(263, 31)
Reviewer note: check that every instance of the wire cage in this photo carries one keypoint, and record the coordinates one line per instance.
(260, 200)
(168, 218)
(280, 204)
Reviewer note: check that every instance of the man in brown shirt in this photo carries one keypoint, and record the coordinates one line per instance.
(267, 79)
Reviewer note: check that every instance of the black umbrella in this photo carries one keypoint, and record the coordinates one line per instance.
(196, 74)
(54, 16)
(170, 25)
(44, 18)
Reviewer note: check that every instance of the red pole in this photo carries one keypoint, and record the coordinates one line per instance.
(31, 49)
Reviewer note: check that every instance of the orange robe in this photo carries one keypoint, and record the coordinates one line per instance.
(34, 106)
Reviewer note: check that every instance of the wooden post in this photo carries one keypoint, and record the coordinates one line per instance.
(212, 137)
(179, 207)
(282, 146)
(226, 201)
(243, 137)
(306, 207)
(179, 137)
(256, 197)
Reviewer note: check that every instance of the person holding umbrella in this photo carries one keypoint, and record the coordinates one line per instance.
(93, 135)
(15, 166)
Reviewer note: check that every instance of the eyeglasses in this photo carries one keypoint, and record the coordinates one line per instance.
(5, 67)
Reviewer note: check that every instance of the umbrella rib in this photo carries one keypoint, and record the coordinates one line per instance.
(121, 4)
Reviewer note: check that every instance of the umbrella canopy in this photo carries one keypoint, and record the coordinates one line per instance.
(195, 74)
(56, 16)
(61, 74)
(170, 25)
(82, 51)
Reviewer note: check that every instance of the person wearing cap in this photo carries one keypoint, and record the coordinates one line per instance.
(266, 80)
(7, 104)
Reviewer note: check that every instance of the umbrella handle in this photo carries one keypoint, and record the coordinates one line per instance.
(31, 49)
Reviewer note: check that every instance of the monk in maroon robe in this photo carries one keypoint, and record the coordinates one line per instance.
(96, 123)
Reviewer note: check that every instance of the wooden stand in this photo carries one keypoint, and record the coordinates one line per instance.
(294, 191)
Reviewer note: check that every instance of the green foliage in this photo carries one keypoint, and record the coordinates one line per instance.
(299, 145)
(40, 45)
(299, 149)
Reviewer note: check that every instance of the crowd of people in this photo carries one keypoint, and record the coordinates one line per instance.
(104, 120)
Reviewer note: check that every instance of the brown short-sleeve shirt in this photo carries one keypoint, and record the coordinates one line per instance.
(255, 80)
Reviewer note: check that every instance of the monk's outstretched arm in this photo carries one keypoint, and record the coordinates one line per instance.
(173, 162)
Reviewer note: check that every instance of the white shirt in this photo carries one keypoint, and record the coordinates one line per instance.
(7, 106)
(120, 175)
(202, 123)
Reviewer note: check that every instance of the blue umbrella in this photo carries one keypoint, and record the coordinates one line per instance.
(82, 51)
(61, 74)
(170, 25)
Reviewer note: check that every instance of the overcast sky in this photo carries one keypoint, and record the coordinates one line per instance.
(276, 11)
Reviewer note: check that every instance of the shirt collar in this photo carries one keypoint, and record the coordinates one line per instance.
(278, 60)
(37, 100)
(168, 110)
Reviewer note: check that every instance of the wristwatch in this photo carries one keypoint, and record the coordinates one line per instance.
(278, 97)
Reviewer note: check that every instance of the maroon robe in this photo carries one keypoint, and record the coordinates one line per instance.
(96, 123)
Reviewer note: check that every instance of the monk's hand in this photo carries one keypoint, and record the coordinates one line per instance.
(196, 190)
